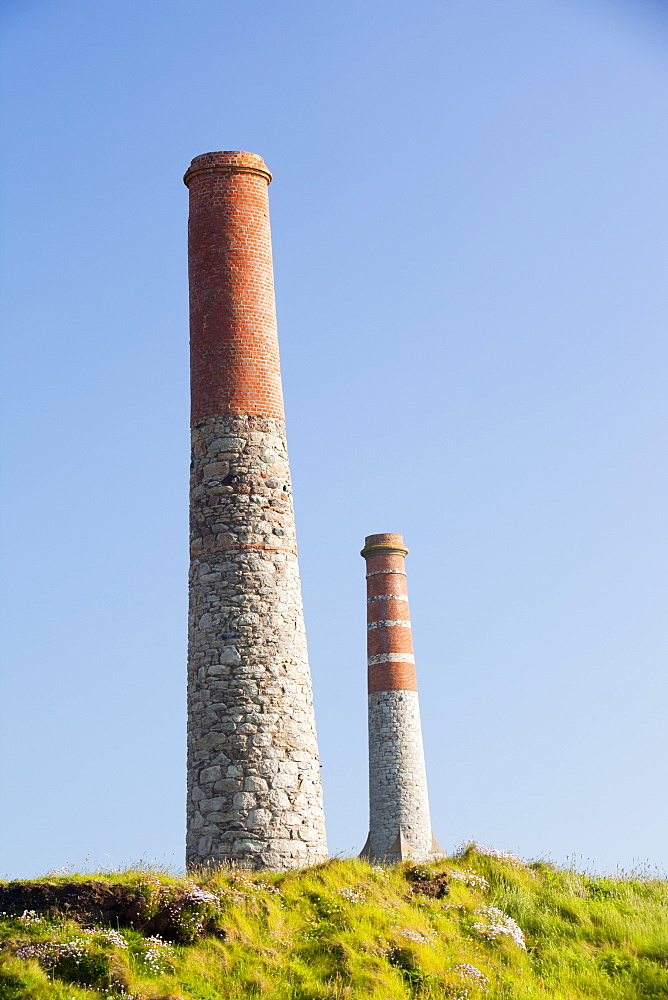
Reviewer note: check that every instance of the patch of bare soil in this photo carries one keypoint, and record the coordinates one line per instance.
(95, 903)
(434, 886)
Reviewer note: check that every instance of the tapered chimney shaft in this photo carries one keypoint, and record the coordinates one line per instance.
(399, 822)
(254, 795)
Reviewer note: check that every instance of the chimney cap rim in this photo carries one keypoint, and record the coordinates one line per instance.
(227, 161)
(389, 542)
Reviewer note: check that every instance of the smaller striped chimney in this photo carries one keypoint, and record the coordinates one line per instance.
(399, 822)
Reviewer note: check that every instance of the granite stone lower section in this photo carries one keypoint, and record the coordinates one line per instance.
(399, 822)
(254, 792)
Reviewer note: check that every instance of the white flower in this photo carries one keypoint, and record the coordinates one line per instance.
(352, 895)
(468, 877)
(50, 953)
(157, 955)
(473, 975)
(497, 923)
(114, 938)
(492, 852)
(416, 936)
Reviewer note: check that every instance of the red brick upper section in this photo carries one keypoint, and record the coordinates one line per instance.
(234, 361)
(389, 639)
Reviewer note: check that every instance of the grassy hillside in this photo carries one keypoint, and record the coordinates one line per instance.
(474, 926)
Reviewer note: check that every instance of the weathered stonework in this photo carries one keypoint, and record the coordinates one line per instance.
(254, 790)
(254, 794)
(399, 822)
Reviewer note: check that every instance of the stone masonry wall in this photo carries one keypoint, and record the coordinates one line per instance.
(254, 783)
(398, 801)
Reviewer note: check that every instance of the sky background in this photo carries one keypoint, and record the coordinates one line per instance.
(470, 224)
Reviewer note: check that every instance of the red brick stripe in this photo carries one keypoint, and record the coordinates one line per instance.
(392, 677)
(384, 609)
(209, 549)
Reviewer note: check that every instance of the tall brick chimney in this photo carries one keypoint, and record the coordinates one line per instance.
(399, 822)
(254, 794)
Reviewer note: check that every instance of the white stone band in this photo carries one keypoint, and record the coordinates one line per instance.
(387, 597)
(388, 623)
(390, 658)
(385, 572)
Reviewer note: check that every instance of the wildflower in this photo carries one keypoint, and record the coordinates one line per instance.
(498, 923)
(352, 895)
(201, 896)
(416, 936)
(267, 887)
(473, 975)
(50, 953)
(191, 911)
(152, 886)
(241, 888)
(109, 937)
(157, 955)
(492, 852)
(469, 878)
(284, 942)
(379, 872)
(150, 880)
(419, 873)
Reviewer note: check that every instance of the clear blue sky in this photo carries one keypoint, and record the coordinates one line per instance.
(470, 233)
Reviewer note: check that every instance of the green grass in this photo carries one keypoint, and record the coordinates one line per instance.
(349, 931)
